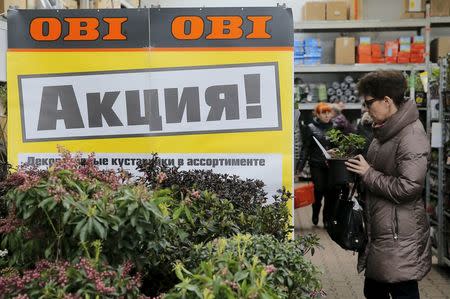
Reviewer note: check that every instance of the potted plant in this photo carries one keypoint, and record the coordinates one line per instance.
(346, 146)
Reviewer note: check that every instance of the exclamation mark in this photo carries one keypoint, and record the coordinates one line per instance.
(253, 95)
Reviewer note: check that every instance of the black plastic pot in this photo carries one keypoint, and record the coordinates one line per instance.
(339, 175)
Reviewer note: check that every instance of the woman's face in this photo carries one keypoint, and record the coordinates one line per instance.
(324, 117)
(379, 109)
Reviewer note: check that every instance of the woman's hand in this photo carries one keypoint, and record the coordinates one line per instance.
(332, 151)
(359, 165)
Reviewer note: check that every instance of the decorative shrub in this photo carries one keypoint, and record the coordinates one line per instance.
(247, 196)
(62, 279)
(248, 266)
(52, 212)
(73, 209)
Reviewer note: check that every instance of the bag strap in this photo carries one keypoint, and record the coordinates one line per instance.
(355, 186)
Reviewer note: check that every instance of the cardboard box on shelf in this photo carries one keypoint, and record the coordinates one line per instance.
(391, 49)
(376, 51)
(418, 39)
(413, 9)
(135, 3)
(377, 59)
(337, 10)
(413, 15)
(391, 59)
(70, 4)
(440, 8)
(99, 4)
(355, 9)
(314, 11)
(365, 50)
(345, 50)
(364, 40)
(439, 48)
(364, 59)
(31, 4)
(417, 58)
(414, 5)
(6, 4)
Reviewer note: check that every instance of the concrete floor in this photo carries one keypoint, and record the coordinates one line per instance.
(341, 280)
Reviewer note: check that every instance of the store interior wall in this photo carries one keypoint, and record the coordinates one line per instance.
(3, 48)
(373, 9)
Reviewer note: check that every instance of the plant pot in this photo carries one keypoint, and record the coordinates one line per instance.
(338, 174)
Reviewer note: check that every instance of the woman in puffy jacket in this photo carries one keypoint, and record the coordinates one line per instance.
(398, 252)
(310, 152)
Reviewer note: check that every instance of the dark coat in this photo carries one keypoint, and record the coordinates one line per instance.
(310, 150)
(399, 247)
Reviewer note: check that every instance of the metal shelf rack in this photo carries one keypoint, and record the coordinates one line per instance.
(359, 25)
(438, 191)
(358, 67)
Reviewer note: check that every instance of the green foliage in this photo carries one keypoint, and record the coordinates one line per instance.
(347, 145)
(74, 210)
(248, 266)
(52, 213)
(200, 217)
(247, 197)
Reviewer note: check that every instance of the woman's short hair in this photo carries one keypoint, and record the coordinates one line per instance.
(322, 108)
(379, 84)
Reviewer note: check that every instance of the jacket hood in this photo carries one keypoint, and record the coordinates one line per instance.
(406, 114)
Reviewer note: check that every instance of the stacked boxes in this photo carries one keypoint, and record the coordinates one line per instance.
(377, 54)
(391, 51)
(307, 51)
(345, 50)
(314, 11)
(404, 53)
(337, 10)
(330, 10)
(440, 47)
(440, 8)
(364, 50)
(417, 50)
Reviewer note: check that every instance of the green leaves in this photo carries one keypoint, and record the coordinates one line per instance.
(347, 145)
(288, 273)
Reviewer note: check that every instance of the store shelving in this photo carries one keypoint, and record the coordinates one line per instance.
(439, 21)
(437, 190)
(310, 106)
(359, 25)
(355, 68)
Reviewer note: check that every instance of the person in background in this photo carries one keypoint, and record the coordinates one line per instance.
(364, 127)
(398, 252)
(310, 152)
(339, 120)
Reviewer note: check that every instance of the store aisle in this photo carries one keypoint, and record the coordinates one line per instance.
(340, 278)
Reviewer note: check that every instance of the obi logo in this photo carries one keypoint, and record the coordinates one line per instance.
(79, 29)
(222, 27)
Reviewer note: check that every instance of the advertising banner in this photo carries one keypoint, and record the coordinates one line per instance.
(205, 88)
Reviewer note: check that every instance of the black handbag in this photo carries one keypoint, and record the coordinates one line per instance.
(346, 226)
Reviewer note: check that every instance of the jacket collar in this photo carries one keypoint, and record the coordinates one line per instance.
(406, 114)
